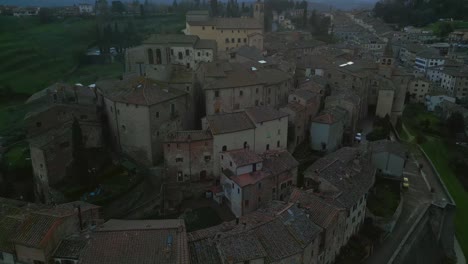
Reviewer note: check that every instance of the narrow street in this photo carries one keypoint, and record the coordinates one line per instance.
(416, 200)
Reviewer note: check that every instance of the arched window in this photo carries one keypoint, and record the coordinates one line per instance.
(150, 56)
(245, 144)
(268, 147)
(158, 56)
(224, 148)
(227, 40)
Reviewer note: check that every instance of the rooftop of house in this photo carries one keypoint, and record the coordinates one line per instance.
(260, 114)
(320, 212)
(137, 90)
(389, 146)
(274, 232)
(305, 94)
(331, 115)
(235, 74)
(278, 161)
(65, 93)
(456, 71)
(344, 176)
(242, 157)
(172, 39)
(188, 136)
(294, 107)
(70, 248)
(9, 226)
(229, 123)
(232, 23)
(249, 52)
(33, 230)
(138, 241)
(429, 53)
(51, 136)
(206, 44)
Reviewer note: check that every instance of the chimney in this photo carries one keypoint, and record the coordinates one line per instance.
(79, 217)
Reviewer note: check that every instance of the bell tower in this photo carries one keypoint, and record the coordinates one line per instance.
(259, 11)
(387, 62)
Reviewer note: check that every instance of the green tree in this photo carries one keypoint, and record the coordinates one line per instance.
(456, 123)
(118, 7)
(214, 7)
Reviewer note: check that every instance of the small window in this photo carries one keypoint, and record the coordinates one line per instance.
(124, 128)
(238, 40)
(83, 117)
(279, 131)
(278, 144)
(238, 190)
(230, 163)
(172, 52)
(187, 88)
(65, 144)
(157, 114)
(203, 28)
(233, 40)
(268, 147)
(179, 176)
(224, 148)
(212, 28)
(199, 54)
(216, 93)
(241, 93)
(259, 185)
(222, 157)
(256, 90)
(187, 52)
(207, 158)
(246, 203)
(179, 159)
(245, 40)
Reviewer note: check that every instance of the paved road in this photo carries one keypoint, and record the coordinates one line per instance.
(416, 199)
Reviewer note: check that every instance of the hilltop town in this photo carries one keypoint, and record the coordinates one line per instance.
(249, 138)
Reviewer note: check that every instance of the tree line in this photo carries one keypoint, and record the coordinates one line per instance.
(420, 12)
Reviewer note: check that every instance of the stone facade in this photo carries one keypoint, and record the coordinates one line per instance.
(141, 113)
(188, 156)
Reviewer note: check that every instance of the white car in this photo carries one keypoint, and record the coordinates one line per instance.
(358, 137)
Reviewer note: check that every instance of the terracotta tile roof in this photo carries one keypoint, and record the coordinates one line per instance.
(189, 135)
(137, 90)
(34, 229)
(237, 23)
(70, 248)
(241, 247)
(320, 212)
(345, 176)
(272, 233)
(249, 178)
(389, 146)
(171, 39)
(278, 161)
(261, 114)
(9, 226)
(229, 123)
(242, 157)
(145, 242)
(331, 116)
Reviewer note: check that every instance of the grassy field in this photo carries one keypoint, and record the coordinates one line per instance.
(441, 153)
(34, 56)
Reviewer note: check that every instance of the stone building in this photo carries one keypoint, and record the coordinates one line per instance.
(389, 157)
(258, 129)
(455, 81)
(188, 156)
(154, 59)
(230, 87)
(138, 241)
(276, 233)
(418, 89)
(50, 133)
(343, 179)
(303, 106)
(141, 113)
(248, 179)
(332, 220)
(228, 32)
(328, 128)
(35, 231)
